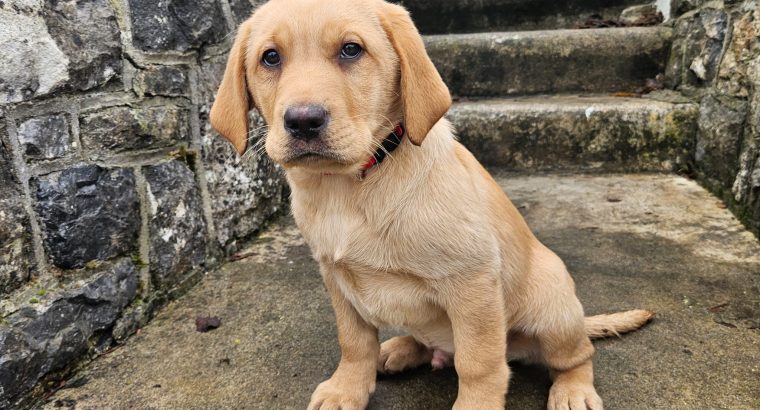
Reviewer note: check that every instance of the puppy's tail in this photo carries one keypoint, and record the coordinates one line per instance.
(615, 324)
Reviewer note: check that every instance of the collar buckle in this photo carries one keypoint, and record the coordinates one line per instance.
(388, 145)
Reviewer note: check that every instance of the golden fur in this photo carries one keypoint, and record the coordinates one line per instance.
(427, 242)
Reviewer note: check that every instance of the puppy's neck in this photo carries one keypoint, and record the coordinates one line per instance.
(407, 164)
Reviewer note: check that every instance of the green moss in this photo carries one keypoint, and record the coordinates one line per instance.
(740, 210)
(137, 260)
(34, 300)
(185, 154)
(679, 139)
(42, 292)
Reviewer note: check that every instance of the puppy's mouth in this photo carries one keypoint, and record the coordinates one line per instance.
(312, 157)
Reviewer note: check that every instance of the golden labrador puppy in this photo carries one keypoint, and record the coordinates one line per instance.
(408, 228)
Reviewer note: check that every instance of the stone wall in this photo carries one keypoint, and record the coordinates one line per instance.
(115, 194)
(716, 60)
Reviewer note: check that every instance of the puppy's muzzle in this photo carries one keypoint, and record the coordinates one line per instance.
(306, 122)
(307, 125)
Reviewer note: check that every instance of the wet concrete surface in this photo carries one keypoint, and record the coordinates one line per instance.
(631, 241)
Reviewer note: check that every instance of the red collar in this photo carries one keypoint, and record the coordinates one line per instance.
(388, 146)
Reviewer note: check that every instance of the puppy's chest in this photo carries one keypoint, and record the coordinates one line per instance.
(368, 261)
(337, 231)
(387, 298)
(360, 263)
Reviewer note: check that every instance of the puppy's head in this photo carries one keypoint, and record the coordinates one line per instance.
(332, 79)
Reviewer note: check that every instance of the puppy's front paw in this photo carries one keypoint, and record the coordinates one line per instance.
(566, 396)
(334, 394)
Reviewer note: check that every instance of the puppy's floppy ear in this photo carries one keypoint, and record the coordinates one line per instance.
(424, 94)
(229, 114)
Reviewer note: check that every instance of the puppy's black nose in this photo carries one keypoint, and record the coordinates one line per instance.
(306, 122)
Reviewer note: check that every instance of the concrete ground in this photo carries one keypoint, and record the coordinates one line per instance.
(631, 241)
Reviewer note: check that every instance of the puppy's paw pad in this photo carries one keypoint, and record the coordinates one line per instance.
(574, 397)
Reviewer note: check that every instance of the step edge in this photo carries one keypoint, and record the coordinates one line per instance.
(569, 103)
(664, 31)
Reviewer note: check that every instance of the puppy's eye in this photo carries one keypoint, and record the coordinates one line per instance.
(350, 51)
(271, 58)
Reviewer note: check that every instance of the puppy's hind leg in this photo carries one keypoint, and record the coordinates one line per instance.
(402, 353)
(567, 352)
(573, 389)
(564, 344)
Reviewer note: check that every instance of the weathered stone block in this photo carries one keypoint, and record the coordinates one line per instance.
(753, 201)
(49, 337)
(242, 9)
(697, 48)
(161, 80)
(86, 31)
(209, 77)
(32, 63)
(741, 189)
(735, 75)
(679, 7)
(746, 188)
(134, 317)
(121, 129)
(245, 191)
(88, 213)
(15, 243)
(7, 174)
(177, 227)
(56, 44)
(45, 137)
(176, 24)
(721, 123)
(752, 139)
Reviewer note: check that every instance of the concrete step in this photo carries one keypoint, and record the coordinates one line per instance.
(557, 61)
(572, 132)
(630, 241)
(457, 16)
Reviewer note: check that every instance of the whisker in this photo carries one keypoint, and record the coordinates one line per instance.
(369, 115)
